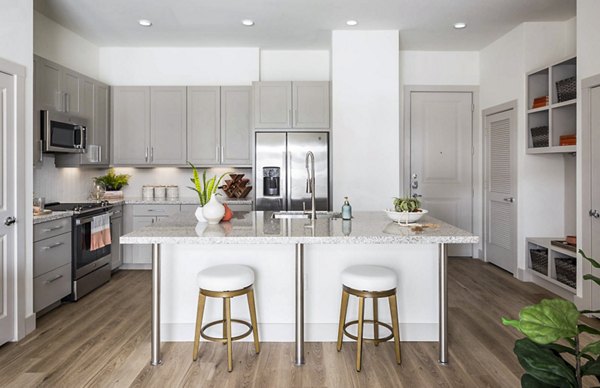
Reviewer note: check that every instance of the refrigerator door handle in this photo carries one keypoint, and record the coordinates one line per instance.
(288, 189)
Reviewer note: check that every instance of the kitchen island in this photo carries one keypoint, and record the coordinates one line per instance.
(288, 289)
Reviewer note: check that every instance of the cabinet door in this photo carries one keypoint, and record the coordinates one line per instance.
(272, 105)
(142, 254)
(102, 122)
(48, 81)
(168, 125)
(236, 125)
(87, 112)
(131, 125)
(72, 86)
(116, 231)
(37, 128)
(204, 125)
(311, 104)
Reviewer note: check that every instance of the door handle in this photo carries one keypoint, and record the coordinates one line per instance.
(594, 213)
(415, 195)
(9, 221)
(415, 185)
(510, 200)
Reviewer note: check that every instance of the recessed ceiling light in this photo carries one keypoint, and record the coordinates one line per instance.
(352, 23)
(145, 22)
(460, 25)
(248, 22)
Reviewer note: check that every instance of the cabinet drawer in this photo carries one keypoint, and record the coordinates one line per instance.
(51, 253)
(51, 228)
(117, 211)
(51, 287)
(155, 210)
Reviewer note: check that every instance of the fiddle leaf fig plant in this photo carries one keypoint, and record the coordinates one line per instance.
(547, 362)
(204, 188)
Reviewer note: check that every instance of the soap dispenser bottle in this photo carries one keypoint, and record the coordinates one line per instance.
(346, 210)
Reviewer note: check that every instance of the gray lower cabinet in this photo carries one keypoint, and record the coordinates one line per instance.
(233, 206)
(51, 262)
(168, 140)
(204, 125)
(300, 104)
(130, 125)
(116, 231)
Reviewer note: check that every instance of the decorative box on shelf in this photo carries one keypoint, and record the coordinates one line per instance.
(116, 194)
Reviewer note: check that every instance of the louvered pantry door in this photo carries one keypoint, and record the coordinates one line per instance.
(501, 206)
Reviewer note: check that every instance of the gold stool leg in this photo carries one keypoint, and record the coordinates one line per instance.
(252, 307)
(229, 342)
(224, 322)
(343, 311)
(375, 321)
(395, 326)
(361, 317)
(200, 313)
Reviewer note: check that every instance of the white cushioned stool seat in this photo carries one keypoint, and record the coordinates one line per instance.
(369, 278)
(228, 277)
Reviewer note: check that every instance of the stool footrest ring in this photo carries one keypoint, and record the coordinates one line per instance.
(376, 341)
(222, 339)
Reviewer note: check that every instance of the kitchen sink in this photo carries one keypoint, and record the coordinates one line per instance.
(301, 214)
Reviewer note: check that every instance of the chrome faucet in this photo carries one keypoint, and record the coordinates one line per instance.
(310, 182)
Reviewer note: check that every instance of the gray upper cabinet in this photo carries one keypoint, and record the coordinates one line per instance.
(203, 125)
(131, 125)
(272, 105)
(72, 87)
(282, 105)
(168, 125)
(236, 124)
(311, 104)
(37, 134)
(48, 80)
(102, 122)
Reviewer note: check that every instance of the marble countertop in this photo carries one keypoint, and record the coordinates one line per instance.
(51, 217)
(174, 201)
(260, 228)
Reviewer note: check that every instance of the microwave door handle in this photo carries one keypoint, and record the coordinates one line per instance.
(81, 144)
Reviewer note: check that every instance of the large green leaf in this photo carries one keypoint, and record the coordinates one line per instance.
(591, 368)
(587, 329)
(593, 348)
(544, 365)
(594, 263)
(547, 321)
(528, 381)
(592, 278)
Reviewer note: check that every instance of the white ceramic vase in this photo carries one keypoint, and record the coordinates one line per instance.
(213, 211)
(200, 215)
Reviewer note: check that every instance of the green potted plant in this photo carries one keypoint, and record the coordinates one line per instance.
(206, 190)
(551, 352)
(113, 183)
(406, 210)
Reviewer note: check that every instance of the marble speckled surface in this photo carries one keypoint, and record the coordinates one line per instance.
(260, 228)
(51, 217)
(176, 201)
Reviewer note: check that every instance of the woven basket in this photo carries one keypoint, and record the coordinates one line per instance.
(566, 89)
(540, 136)
(539, 260)
(566, 271)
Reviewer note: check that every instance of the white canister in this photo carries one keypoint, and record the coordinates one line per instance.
(148, 192)
(172, 192)
(160, 192)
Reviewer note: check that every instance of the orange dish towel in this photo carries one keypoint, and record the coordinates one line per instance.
(100, 232)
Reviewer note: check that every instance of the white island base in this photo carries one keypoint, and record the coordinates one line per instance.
(274, 267)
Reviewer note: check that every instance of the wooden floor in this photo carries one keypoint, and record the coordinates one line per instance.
(104, 340)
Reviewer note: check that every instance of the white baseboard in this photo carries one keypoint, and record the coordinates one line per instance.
(313, 332)
(136, 266)
(30, 323)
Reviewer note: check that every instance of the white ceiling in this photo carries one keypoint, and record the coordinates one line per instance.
(297, 24)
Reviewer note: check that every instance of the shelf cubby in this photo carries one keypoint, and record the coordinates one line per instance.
(554, 254)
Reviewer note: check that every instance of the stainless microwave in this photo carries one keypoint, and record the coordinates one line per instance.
(63, 132)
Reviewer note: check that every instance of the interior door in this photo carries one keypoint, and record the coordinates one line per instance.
(441, 129)
(594, 213)
(501, 189)
(7, 208)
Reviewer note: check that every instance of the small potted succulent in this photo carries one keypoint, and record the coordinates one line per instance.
(210, 209)
(113, 183)
(406, 210)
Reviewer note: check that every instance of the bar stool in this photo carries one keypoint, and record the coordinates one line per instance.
(226, 282)
(369, 281)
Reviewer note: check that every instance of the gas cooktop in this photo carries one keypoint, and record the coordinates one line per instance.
(79, 207)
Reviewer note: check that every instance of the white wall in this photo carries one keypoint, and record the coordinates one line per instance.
(56, 43)
(16, 45)
(295, 65)
(178, 66)
(439, 67)
(504, 64)
(366, 111)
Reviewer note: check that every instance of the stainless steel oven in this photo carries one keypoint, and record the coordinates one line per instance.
(62, 132)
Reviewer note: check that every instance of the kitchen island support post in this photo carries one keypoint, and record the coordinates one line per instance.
(443, 282)
(155, 305)
(299, 304)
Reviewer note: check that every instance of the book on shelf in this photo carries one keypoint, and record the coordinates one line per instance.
(540, 102)
(567, 140)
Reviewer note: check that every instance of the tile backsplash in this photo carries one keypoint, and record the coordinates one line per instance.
(75, 184)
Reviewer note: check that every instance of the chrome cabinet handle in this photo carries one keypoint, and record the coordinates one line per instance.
(151, 154)
(594, 213)
(53, 279)
(146, 155)
(156, 210)
(290, 118)
(53, 245)
(99, 154)
(41, 151)
(64, 102)
(510, 200)
(217, 155)
(222, 153)
(68, 99)
(52, 229)
(295, 117)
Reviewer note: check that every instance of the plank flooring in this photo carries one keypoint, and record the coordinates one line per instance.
(104, 341)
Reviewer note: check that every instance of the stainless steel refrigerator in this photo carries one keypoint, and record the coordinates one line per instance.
(281, 176)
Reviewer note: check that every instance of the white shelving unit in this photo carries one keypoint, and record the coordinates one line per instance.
(559, 117)
(555, 253)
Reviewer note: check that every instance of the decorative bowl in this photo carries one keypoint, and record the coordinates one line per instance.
(405, 217)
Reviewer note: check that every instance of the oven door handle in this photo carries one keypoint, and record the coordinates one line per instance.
(81, 221)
